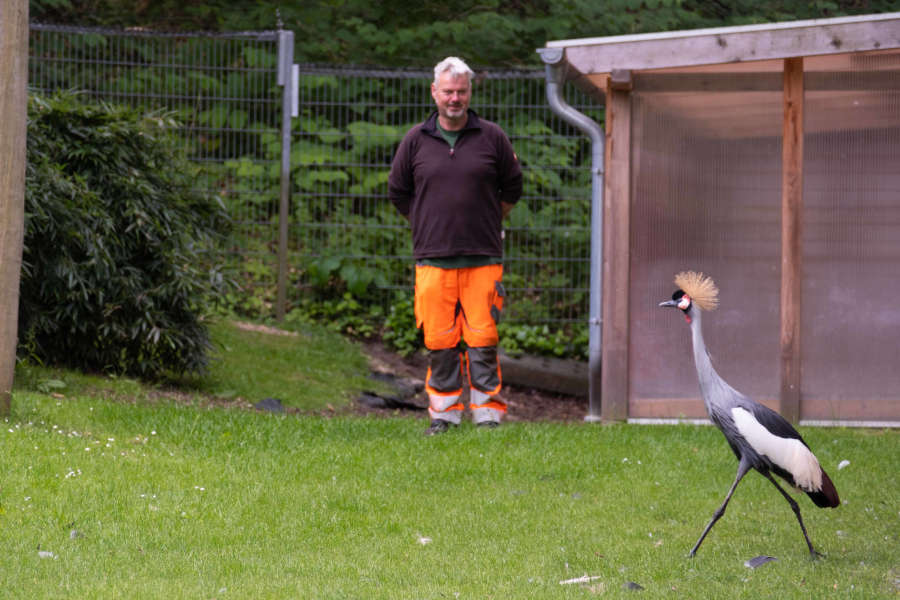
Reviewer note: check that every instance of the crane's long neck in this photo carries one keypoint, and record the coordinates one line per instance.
(706, 374)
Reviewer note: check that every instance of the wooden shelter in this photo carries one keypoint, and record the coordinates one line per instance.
(768, 157)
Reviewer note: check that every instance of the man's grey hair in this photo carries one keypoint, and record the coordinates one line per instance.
(453, 65)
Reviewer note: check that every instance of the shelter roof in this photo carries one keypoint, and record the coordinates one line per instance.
(851, 62)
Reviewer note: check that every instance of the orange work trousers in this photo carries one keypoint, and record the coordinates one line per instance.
(454, 304)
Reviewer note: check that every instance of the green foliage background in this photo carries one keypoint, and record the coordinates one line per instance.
(116, 274)
(400, 33)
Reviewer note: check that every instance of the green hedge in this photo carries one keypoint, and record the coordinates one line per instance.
(115, 276)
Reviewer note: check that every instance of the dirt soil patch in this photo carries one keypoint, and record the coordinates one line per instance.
(407, 374)
(524, 403)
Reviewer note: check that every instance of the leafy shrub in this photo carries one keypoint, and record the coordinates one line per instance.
(347, 316)
(115, 274)
(567, 341)
(400, 332)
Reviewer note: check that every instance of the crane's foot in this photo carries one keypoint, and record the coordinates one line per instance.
(815, 554)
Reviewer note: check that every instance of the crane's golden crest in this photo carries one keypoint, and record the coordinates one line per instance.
(701, 289)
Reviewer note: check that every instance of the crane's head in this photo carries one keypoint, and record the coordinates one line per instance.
(694, 289)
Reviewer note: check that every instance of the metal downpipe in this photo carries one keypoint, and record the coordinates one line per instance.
(555, 74)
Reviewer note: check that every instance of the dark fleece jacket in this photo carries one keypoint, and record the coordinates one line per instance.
(452, 196)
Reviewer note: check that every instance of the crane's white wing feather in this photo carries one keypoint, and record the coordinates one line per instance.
(790, 454)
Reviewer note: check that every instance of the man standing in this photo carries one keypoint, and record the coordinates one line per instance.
(455, 177)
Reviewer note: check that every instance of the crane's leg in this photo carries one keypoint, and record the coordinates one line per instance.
(743, 467)
(812, 552)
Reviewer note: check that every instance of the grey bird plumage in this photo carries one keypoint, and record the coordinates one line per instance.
(760, 438)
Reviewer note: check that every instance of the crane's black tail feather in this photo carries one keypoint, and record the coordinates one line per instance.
(827, 497)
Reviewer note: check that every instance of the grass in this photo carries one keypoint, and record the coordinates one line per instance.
(310, 369)
(151, 498)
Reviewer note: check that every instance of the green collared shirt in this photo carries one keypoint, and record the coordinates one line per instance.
(449, 136)
(460, 262)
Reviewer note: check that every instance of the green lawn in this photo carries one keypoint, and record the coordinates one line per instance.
(110, 492)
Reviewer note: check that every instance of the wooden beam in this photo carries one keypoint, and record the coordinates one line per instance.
(723, 45)
(616, 257)
(791, 238)
(620, 80)
(765, 81)
(569, 377)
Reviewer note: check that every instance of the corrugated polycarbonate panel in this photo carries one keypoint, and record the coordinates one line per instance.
(706, 195)
(851, 238)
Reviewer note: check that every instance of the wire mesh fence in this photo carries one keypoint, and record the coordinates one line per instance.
(221, 89)
(343, 233)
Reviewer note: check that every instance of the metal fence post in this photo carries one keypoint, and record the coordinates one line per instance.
(285, 79)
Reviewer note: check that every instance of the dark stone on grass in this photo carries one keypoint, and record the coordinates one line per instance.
(630, 585)
(404, 388)
(374, 400)
(270, 405)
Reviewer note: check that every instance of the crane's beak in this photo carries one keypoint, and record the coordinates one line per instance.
(677, 304)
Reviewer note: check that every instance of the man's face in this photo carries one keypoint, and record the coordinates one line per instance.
(451, 95)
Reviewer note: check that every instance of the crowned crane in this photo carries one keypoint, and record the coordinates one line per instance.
(760, 437)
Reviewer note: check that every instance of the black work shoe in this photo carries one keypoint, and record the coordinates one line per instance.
(489, 425)
(438, 426)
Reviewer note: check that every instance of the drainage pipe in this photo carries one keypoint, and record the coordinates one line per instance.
(555, 74)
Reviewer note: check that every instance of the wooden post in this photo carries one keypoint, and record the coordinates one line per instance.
(791, 238)
(13, 108)
(616, 240)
